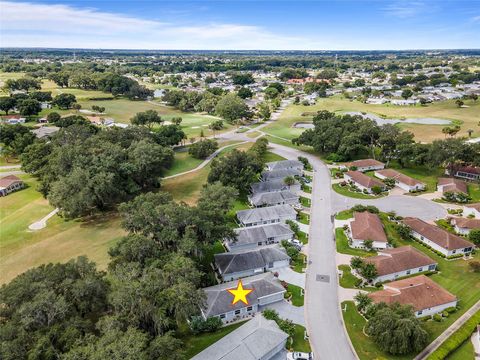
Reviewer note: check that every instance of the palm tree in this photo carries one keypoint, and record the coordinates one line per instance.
(289, 180)
(362, 300)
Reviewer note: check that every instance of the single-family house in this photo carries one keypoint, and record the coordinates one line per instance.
(399, 262)
(367, 226)
(471, 173)
(45, 131)
(452, 185)
(472, 210)
(258, 338)
(274, 185)
(362, 181)
(267, 290)
(273, 198)
(425, 295)
(266, 215)
(439, 239)
(285, 165)
(366, 165)
(463, 226)
(253, 237)
(280, 174)
(401, 180)
(232, 266)
(10, 184)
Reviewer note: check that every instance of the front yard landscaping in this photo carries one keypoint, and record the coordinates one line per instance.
(347, 191)
(298, 341)
(365, 348)
(348, 280)
(296, 292)
(343, 247)
(303, 218)
(305, 201)
(298, 264)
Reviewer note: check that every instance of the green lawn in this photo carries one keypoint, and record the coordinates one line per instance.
(297, 297)
(474, 192)
(343, 247)
(344, 190)
(193, 344)
(183, 162)
(302, 237)
(344, 215)
(269, 157)
(298, 342)
(303, 218)
(298, 265)
(307, 189)
(60, 241)
(348, 280)
(464, 352)
(365, 348)
(305, 201)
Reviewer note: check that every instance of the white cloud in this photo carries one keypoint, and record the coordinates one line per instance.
(42, 25)
(407, 9)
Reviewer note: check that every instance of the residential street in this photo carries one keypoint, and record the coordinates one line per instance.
(322, 312)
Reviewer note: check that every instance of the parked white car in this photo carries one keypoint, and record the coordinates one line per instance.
(299, 356)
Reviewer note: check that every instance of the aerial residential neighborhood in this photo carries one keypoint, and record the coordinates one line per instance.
(239, 180)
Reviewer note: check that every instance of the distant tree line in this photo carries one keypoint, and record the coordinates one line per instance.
(345, 137)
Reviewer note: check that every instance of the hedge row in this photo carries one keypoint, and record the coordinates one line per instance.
(457, 338)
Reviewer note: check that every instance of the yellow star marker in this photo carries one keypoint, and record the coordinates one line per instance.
(240, 294)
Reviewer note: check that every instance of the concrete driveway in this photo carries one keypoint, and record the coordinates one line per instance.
(288, 311)
(403, 205)
(291, 277)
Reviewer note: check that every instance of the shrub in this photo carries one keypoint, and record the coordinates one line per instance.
(474, 266)
(203, 149)
(437, 317)
(457, 338)
(287, 295)
(198, 324)
(445, 314)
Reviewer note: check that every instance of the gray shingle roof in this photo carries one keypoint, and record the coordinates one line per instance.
(284, 164)
(261, 233)
(268, 186)
(219, 300)
(265, 213)
(229, 263)
(280, 174)
(271, 198)
(251, 341)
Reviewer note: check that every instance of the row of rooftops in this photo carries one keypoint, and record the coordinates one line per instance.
(368, 226)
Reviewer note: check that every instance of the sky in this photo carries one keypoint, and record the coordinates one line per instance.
(242, 25)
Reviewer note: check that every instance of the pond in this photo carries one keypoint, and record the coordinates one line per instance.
(421, 121)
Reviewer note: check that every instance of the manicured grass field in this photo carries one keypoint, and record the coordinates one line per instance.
(195, 343)
(348, 280)
(343, 190)
(305, 201)
(183, 162)
(297, 297)
(60, 241)
(467, 118)
(253, 134)
(344, 248)
(464, 352)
